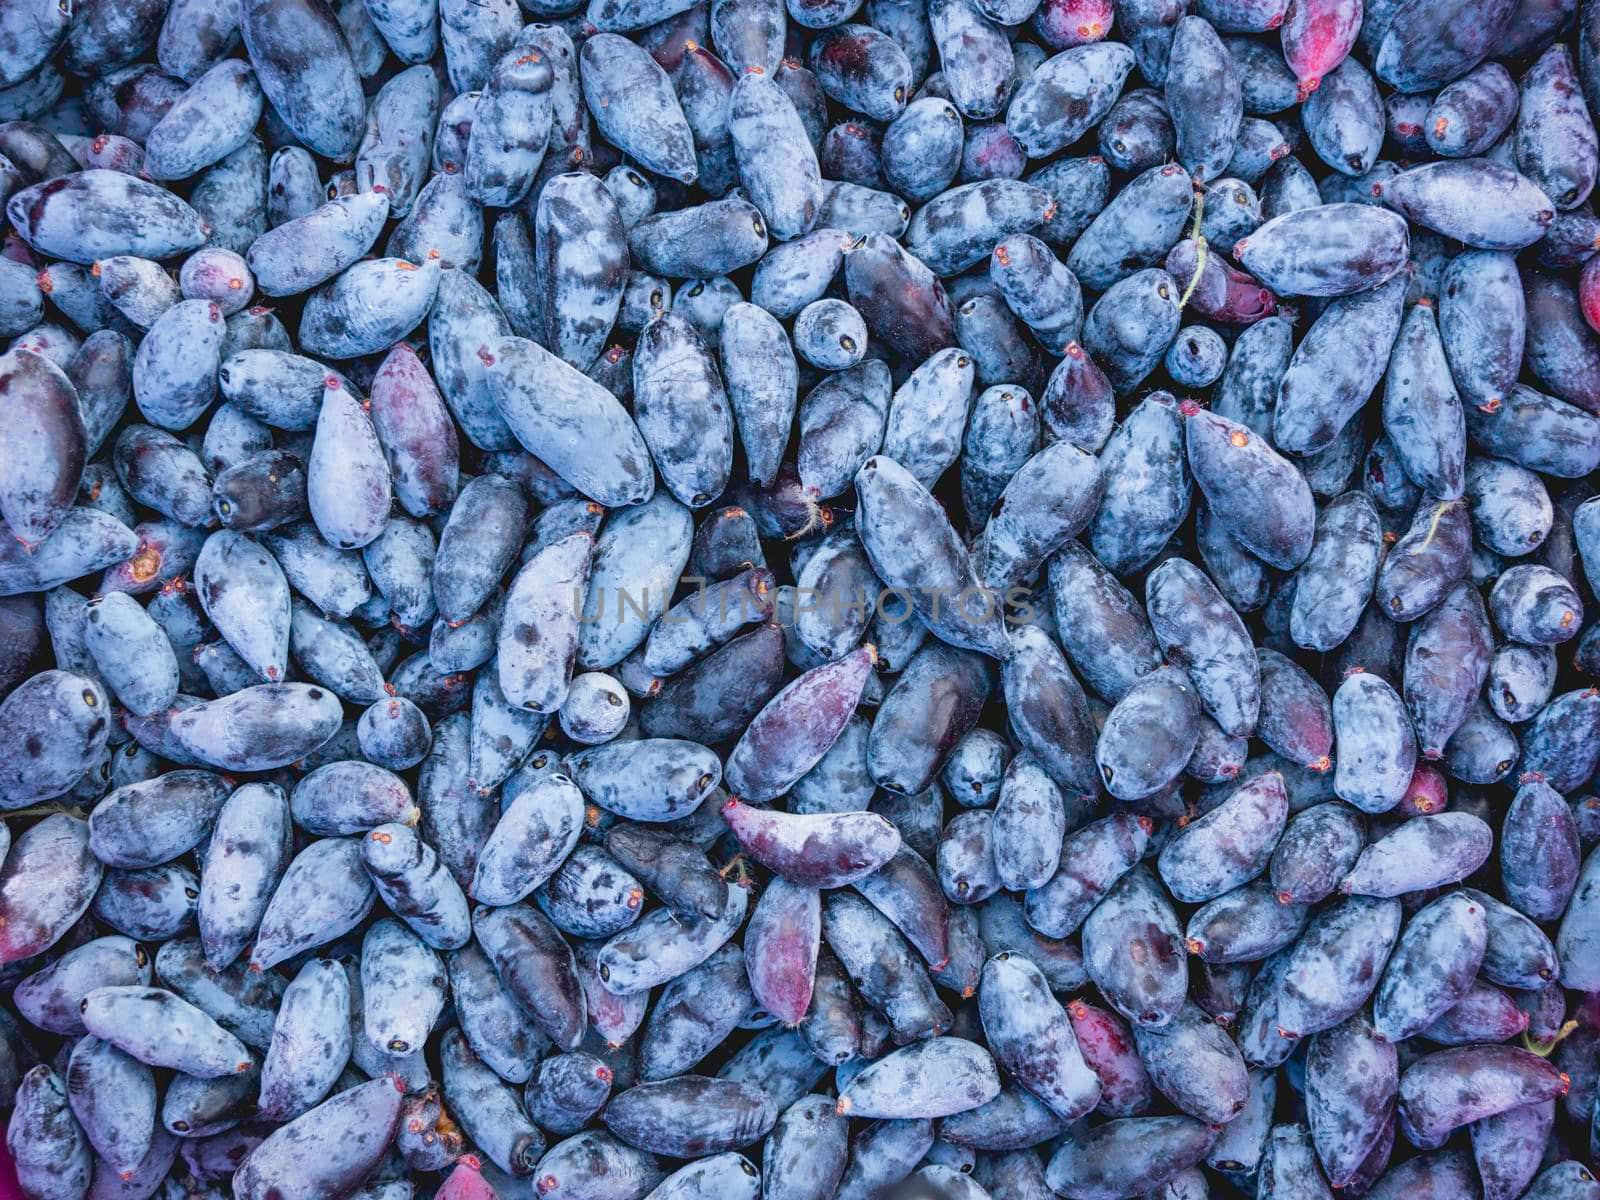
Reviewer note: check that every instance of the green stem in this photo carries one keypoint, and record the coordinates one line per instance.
(1201, 248)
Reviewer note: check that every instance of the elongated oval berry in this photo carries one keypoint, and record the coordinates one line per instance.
(823, 850)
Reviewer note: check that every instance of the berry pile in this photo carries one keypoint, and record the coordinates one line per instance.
(800, 599)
